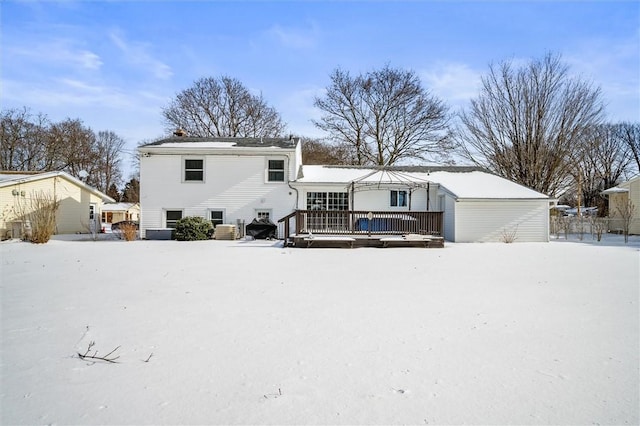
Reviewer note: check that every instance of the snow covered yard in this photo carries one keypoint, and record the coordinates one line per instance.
(229, 332)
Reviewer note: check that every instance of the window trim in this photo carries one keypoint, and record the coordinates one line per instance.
(268, 170)
(164, 218)
(184, 169)
(328, 200)
(398, 191)
(224, 216)
(269, 213)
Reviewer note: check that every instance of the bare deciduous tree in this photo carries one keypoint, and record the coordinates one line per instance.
(32, 143)
(627, 213)
(222, 107)
(315, 151)
(384, 116)
(605, 161)
(23, 144)
(630, 134)
(528, 124)
(108, 148)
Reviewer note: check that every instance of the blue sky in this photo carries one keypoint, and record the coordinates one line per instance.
(115, 64)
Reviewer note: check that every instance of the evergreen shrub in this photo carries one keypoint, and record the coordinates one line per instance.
(193, 228)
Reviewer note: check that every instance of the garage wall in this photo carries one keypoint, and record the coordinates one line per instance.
(488, 220)
(449, 217)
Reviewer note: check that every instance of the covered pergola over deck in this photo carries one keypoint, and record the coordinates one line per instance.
(376, 227)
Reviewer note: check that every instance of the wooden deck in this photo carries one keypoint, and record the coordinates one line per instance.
(349, 229)
(354, 241)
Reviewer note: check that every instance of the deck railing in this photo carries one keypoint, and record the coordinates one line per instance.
(339, 222)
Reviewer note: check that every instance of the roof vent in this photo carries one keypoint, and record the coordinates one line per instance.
(180, 132)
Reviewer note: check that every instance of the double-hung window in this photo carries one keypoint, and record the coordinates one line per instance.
(398, 199)
(217, 217)
(275, 172)
(172, 216)
(193, 170)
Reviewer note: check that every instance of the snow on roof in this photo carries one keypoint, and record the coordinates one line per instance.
(622, 187)
(322, 174)
(8, 178)
(4, 177)
(220, 142)
(462, 184)
(199, 144)
(615, 190)
(116, 207)
(483, 185)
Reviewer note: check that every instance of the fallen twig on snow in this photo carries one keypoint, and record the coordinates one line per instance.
(94, 356)
(273, 395)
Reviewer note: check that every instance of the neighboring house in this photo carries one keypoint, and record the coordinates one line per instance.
(226, 180)
(80, 204)
(117, 212)
(477, 206)
(619, 196)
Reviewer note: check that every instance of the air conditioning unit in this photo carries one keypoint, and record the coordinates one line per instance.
(225, 232)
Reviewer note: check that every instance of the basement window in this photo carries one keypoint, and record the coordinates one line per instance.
(172, 217)
(216, 217)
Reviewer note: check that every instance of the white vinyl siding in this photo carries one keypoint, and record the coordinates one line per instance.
(488, 220)
(449, 225)
(233, 183)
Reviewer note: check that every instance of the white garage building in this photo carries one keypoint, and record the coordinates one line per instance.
(477, 206)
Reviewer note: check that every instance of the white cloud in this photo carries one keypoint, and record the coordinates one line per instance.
(297, 110)
(295, 38)
(90, 60)
(615, 67)
(138, 54)
(455, 83)
(59, 52)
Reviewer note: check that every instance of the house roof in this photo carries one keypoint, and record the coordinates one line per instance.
(623, 187)
(227, 142)
(615, 190)
(13, 178)
(118, 207)
(462, 182)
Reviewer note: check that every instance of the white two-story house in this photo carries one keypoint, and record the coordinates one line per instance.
(235, 180)
(226, 180)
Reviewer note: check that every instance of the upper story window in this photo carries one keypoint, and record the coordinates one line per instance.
(398, 199)
(193, 170)
(275, 172)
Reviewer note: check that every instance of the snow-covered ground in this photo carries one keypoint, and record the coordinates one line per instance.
(229, 332)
